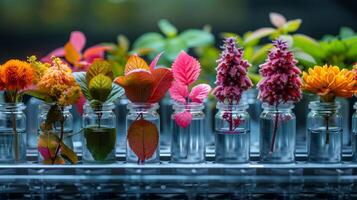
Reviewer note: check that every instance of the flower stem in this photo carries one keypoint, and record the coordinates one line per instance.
(327, 130)
(61, 121)
(275, 128)
(16, 140)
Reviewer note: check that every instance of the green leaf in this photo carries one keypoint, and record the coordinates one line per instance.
(350, 41)
(288, 39)
(167, 28)
(352, 52)
(116, 93)
(100, 87)
(346, 32)
(309, 46)
(259, 34)
(39, 95)
(100, 141)
(254, 77)
(173, 47)
(123, 43)
(304, 59)
(196, 38)
(68, 154)
(248, 53)
(99, 67)
(292, 25)
(261, 54)
(153, 41)
(80, 78)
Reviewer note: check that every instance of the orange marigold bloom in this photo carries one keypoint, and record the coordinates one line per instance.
(16, 75)
(329, 82)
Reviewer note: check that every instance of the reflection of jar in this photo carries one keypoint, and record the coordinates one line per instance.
(232, 133)
(12, 133)
(99, 139)
(54, 132)
(324, 123)
(188, 144)
(277, 133)
(143, 132)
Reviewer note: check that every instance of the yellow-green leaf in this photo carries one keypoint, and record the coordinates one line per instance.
(100, 87)
(99, 67)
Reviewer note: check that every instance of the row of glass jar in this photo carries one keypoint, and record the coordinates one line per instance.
(277, 133)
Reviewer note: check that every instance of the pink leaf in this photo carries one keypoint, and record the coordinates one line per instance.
(95, 52)
(59, 52)
(178, 92)
(199, 93)
(183, 119)
(186, 69)
(45, 152)
(81, 101)
(78, 40)
(154, 62)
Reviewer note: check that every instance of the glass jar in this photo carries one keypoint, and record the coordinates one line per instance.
(354, 134)
(143, 133)
(232, 133)
(324, 133)
(277, 133)
(99, 135)
(12, 133)
(254, 110)
(121, 112)
(56, 128)
(188, 144)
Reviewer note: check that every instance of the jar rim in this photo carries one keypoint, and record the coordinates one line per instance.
(280, 106)
(317, 105)
(104, 106)
(236, 106)
(12, 106)
(188, 106)
(45, 105)
(133, 105)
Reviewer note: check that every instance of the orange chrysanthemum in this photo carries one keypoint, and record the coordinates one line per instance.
(16, 75)
(329, 82)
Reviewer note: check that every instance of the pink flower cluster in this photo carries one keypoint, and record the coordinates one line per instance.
(281, 82)
(232, 77)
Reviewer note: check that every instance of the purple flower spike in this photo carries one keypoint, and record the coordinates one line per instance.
(281, 82)
(232, 78)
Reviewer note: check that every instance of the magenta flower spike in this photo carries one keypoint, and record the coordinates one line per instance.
(232, 79)
(281, 82)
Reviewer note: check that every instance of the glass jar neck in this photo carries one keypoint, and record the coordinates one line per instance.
(325, 106)
(142, 107)
(46, 106)
(232, 107)
(12, 107)
(190, 107)
(284, 107)
(105, 107)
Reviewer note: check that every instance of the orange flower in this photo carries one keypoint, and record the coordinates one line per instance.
(16, 75)
(329, 82)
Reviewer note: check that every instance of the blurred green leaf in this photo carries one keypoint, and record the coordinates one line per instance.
(308, 45)
(153, 41)
(350, 41)
(346, 32)
(304, 59)
(115, 93)
(258, 34)
(248, 53)
(167, 28)
(80, 78)
(254, 77)
(261, 54)
(173, 47)
(194, 38)
(123, 43)
(100, 87)
(292, 25)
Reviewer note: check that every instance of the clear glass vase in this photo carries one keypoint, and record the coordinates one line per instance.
(12, 133)
(188, 144)
(277, 133)
(143, 133)
(99, 138)
(32, 112)
(121, 112)
(354, 134)
(57, 129)
(324, 123)
(232, 124)
(254, 110)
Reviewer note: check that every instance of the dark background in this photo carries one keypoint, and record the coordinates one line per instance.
(38, 26)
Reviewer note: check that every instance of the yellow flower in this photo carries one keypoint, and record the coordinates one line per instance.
(39, 67)
(329, 82)
(59, 84)
(16, 75)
